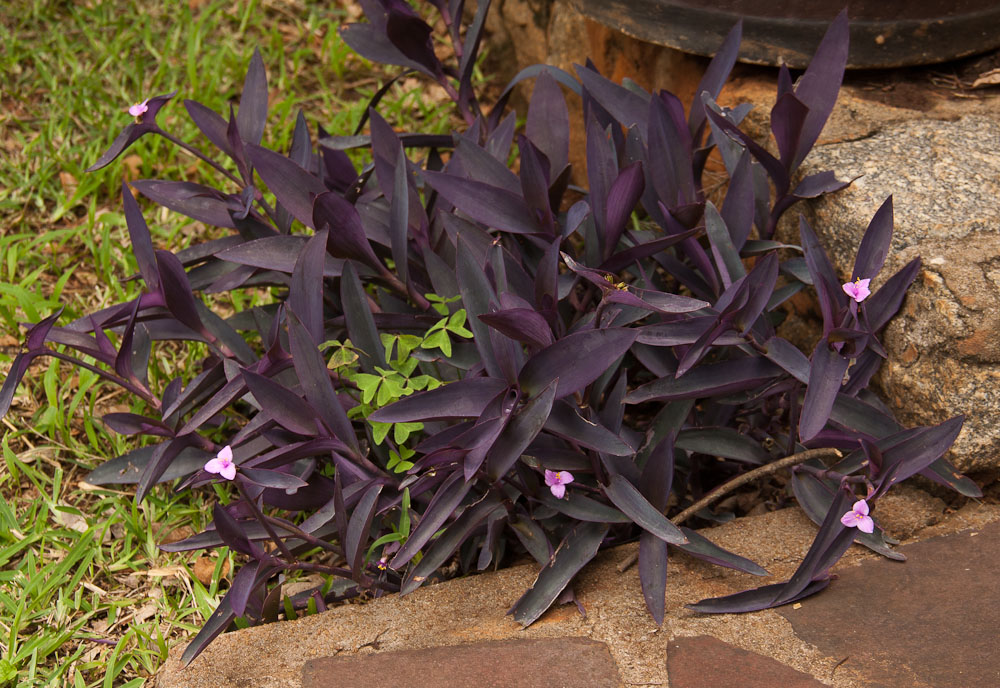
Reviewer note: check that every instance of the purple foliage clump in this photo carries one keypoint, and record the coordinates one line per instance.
(470, 364)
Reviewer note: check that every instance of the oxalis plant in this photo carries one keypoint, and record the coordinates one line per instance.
(466, 364)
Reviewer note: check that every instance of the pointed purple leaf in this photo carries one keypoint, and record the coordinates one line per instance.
(547, 124)
(598, 348)
(826, 373)
(874, 244)
(712, 379)
(818, 87)
(197, 201)
(305, 294)
(283, 405)
(315, 381)
(715, 77)
(626, 497)
(142, 242)
(461, 399)
(624, 194)
(294, 187)
(493, 206)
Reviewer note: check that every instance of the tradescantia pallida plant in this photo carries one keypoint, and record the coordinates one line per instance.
(467, 363)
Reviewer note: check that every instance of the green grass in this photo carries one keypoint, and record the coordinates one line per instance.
(86, 596)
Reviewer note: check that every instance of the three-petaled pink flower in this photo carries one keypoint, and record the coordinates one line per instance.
(858, 289)
(139, 109)
(557, 482)
(858, 517)
(223, 464)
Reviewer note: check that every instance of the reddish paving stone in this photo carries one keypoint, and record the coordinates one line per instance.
(544, 663)
(929, 621)
(706, 662)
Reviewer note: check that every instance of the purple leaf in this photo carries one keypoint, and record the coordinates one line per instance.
(277, 252)
(358, 528)
(727, 257)
(132, 132)
(722, 441)
(547, 124)
(412, 37)
(372, 44)
(252, 116)
(885, 302)
(305, 294)
(706, 550)
(625, 105)
(211, 124)
(280, 403)
(519, 432)
(579, 547)
(815, 499)
(818, 87)
(775, 170)
(477, 295)
(685, 332)
(737, 209)
(476, 163)
(669, 144)
(461, 399)
(493, 206)
(442, 506)
(753, 600)
(826, 374)
(944, 472)
(915, 453)
(218, 622)
(707, 380)
(874, 244)
(142, 242)
(176, 290)
(714, 78)
(449, 541)
(623, 259)
(522, 324)
(128, 468)
(626, 497)
(576, 360)
(163, 455)
(787, 118)
(315, 381)
(624, 194)
(294, 187)
(197, 201)
(360, 324)
(134, 424)
(816, 185)
(789, 357)
(535, 181)
(828, 291)
(856, 415)
(653, 574)
(273, 479)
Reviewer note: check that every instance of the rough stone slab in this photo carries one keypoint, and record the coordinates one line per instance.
(932, 621)
(474, 609)
(705, 662)
(541, 663)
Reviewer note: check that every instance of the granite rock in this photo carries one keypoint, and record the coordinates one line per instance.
(944, 176)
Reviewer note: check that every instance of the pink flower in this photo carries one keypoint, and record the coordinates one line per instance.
(223, 464)
(139, 109)
(858, 517)
(858, 289)
(557, 482)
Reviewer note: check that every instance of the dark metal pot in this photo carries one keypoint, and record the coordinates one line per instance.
(884, 33)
